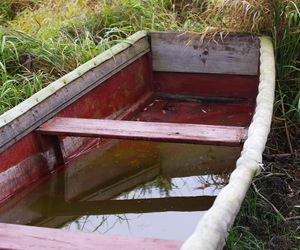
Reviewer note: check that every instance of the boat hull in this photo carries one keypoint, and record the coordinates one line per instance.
(171, 78)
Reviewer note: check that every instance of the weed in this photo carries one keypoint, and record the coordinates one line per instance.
(263, 222)
(10, 8)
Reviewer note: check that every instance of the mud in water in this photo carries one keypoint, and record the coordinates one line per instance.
(131, 188)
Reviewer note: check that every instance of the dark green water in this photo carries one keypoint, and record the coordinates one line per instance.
(132, 188)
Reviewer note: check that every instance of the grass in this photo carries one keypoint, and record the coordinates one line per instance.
(58, 37)
(27, 63)
(267, 216)
(42, 40)
(10, 8)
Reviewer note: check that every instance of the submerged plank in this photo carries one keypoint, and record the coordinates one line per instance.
(101, 207)
(137, 130)
(28, 237)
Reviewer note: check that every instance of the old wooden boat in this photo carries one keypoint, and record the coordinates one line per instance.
(159, 86)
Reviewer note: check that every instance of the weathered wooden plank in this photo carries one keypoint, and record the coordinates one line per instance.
(187, 52)
(153, 131)
(210, 85)
(30, 114)
(36, 238)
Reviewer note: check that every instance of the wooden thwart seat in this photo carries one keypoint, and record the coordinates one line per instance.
(151, 131)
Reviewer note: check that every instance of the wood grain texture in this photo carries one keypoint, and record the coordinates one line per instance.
(187, 52)
(210, 85)
(36, 238)
(153, 131)
(222, 113)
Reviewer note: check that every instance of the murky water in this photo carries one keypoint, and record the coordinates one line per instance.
(132, 188)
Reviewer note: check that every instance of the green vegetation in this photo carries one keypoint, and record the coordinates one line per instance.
(42, 40)
(10, 8)
(269, 217)
(52, 38)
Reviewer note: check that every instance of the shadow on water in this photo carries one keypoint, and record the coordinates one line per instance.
(129, 188)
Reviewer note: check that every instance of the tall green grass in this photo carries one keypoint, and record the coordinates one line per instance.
(10, 8)
(286, 37)
(279, 19)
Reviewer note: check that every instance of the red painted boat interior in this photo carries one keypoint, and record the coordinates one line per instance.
(209, 113)
(212, 85)
(134, 93)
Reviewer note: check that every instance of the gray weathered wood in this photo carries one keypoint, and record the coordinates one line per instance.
(186, 52)
(47, 108)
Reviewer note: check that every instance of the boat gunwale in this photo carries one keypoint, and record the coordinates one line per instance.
(220, 239)
(10, 129)
(212, 229)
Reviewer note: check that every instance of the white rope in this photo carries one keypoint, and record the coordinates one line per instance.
(212, 229)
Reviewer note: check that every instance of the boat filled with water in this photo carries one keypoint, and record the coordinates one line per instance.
(157, 104)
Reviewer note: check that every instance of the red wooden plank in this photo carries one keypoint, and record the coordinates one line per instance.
(153, 131)
(207, 85)
(28, 237)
